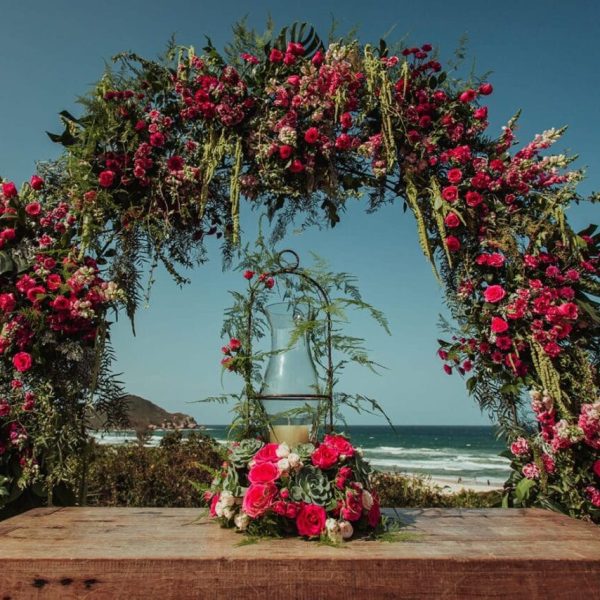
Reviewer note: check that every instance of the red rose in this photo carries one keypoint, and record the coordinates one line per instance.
(340, 443)
(8, 234)
(34, 293)
(495, 260)
(157, 139)
(263, 472)
(235, 344)
(106, 178)
(468, 96)
(473, 199)
(22, 361)
(450, 193)
(324, 456)
(453, 243)
(276, 55)
(310, 521)
(33, 209)
(53, 282)
(346, 120)
(374, 514)
(268, 453)
(36, 182)
(285, 151)
(494, 293)
(258, 498)
(499, 325)
(569, 311)
(481, 113)
(7, 303)
(485, 89)
(269, 282)
(296, 166)
(60, 303)
(454, 175)
(175, 163)
(452, 220)
(9, 190)
(596, 468)
(248, 275)
(312, 135)
(352, 510)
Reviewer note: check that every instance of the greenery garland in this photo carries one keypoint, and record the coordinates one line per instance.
(158, 161)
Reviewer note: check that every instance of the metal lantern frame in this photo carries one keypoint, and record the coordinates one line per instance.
(292, 268)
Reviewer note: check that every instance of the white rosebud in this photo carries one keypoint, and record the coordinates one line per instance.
(219, 509)
(283, 465)
(346, 530)
(294, 460)
(227, 499)
(282, 451)
(228, 512)
(367, 500)
(241, 521)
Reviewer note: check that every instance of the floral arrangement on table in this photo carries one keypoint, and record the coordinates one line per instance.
(165, 150)
(317, 491)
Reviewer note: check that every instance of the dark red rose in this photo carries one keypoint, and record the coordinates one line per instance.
(22, 361)
(312, 135)
(485, 89)
(453, 243)
(324, 457)
(106, 178)
(9, 190)
(285, 151)
(452, 220)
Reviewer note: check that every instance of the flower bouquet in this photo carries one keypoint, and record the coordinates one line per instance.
(315, 491)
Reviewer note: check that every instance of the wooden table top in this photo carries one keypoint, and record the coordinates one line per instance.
(454, 552)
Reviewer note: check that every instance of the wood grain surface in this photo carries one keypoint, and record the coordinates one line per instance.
(123, 553)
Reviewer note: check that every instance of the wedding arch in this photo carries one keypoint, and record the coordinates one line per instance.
(159, 161)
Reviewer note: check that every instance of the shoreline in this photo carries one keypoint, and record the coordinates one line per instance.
(452, 486)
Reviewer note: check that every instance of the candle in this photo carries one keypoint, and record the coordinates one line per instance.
(292, 435)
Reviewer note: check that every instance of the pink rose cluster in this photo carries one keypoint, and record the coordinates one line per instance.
(264, 491)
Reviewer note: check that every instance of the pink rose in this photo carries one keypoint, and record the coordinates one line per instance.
(352, 510)
(473, 199)
(596, 468)
(296, 166)
(454, 175)
(9, 190)
(275, 55)
(268, 453)
(494, 293)
(213, 505)
(22, 361)
(499, 325)
(235, 344)
(258, 499)
(340, 443)
(106, 178)
(7, 303)
(468, 96)
(450, 193)
(263, 472)
(485, 89)
(310, 521)
(324, 457)
(374, 514)
(53, 282)
(33, 209)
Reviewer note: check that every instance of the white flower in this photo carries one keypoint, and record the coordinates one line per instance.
(227, 499)
(219, 509)
(333, 530)
(294, 460)
(241, 521)
(367, 500)
(283, 450)
(346, 530)
(283, 465)
(228, 512)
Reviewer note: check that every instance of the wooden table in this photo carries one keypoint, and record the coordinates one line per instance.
(128, 553)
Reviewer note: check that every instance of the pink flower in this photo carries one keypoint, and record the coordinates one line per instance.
(312, 135)
(494, 293)
(593, 494)
(235, 344)
(157, 139)
(269, 282)
(22, 361)
(324, 457)
(596, 468)
(33, 209)
(448, 369)
(552, 349)
(453, 243)
(263, 472)
(549, 464)
(276, 55)
(375, 513)
(268, 453)
(248, 275)
(485, 89)
(310, 521)
(352, 510)
(481, 113)
(450, 193)
(473, 199)
(468, 96)
(249, 58)
(531, 471)
(520, 447)
(7, 302)
(340, 443)
(175, 163)
(258, 498)
(499, 325)
(106, 178)
(53, 282)
(296, 166)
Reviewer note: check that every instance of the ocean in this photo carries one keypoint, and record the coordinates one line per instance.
(459, 454)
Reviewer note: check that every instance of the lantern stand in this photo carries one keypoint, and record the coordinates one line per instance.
(293, 268)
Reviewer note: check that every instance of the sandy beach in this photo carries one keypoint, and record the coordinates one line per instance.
(452, 486)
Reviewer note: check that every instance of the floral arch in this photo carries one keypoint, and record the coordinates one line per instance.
(164, 152)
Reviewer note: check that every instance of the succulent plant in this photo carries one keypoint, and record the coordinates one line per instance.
(304, 451)
(242, 453)
(312, 486)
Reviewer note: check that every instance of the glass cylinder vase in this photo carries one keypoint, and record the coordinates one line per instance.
(290, 393)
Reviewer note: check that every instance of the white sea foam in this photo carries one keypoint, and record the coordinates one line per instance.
(452, 465)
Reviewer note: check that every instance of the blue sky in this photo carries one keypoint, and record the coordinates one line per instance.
(544, 59)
